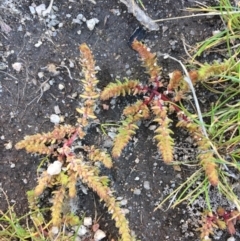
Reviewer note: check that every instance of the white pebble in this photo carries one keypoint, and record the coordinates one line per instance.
(54, 119)
(57, 109)
(54, 168)
(54, 230)
(128, 72)
(231, 239)
(99, 235)
(46, 87)
(91, 23)
(61, 86)
(82, 230)
(53, 16)
(81, 17)
(17, 66)
(137, 191)
(8, 145)
(137, 179)
(123, 202)
(215, 32)
(55, 8)
(71, 63)
(146, 185)
(112, 135)
(87, 221)
(51, 81)
(40, 74)
(152, 127)
(25, 181)
(38, 44)
(40, 8)
(32, 10)
(125, 211)
(137, 160)
(12, 165)
(119, 198)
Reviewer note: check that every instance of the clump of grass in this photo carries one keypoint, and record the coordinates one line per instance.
(222, 120)
(224, 41)
(17, 228)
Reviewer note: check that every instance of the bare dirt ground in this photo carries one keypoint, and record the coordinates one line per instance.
(26, 102)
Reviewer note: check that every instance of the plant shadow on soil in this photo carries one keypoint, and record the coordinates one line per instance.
(25, 108)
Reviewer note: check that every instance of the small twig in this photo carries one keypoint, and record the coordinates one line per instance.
(22, 46)
(8, 75)
(198, 15)
(69, 73)
(41, 86)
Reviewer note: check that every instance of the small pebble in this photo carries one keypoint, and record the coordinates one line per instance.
(192, 32)
(215, 32)
(54, 119)
(71, 63)
(54, 168)
(82, 230)
(20, 28)
(61, 86)
(123, 202)
(24, 181)
(99, 235)
(32, 10)
(8, 145)
(91, 23)
(112, 135)
(137, 191)
(40, 8)
(53, 16)
(164, 29)
(38, 44)
(108, 143)
(46, 87)
(119, 198)
(137, 160)
(57, 109)
(54, 230)
(55, 8)
(128, 72)
(12, 165)
(231, 239)
(87, 221)
(146, 185)
(53, 23)
(136, 178)
(152, 127)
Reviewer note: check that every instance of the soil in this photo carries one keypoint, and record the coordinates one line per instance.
(25, 107)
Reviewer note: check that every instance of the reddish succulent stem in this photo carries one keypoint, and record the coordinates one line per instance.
(154, 92)
(70, 141)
